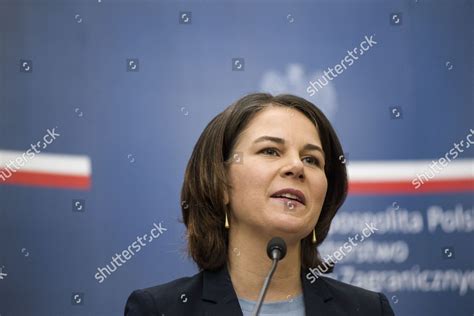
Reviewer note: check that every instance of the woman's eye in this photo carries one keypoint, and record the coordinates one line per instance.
(269, 150)
(313, 160)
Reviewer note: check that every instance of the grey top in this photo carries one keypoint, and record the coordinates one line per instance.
(290, 307)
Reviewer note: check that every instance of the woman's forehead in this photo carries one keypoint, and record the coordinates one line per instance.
(280, 122)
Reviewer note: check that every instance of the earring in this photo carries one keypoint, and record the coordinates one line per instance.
(314, 236)
(226, 221)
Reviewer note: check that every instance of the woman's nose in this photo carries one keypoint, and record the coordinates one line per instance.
(294, 168)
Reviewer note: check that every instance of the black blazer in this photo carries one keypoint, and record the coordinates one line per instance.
(211, 293)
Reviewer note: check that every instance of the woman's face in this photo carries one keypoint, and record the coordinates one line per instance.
(291, 160)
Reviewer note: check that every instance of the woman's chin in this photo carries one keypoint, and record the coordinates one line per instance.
(286, 224)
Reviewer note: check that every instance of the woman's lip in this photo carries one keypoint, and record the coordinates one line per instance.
(293, 191)
(289, 202)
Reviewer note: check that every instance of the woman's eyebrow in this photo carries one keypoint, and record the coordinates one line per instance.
(270, 138)
(281, 141)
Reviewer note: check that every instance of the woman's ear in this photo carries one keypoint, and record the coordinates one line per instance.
(226, 197)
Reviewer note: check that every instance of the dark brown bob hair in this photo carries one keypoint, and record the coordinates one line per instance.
(202, 193)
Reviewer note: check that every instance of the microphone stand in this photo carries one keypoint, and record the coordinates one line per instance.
(276, 250)
(263, 291)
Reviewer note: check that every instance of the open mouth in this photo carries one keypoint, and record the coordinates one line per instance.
(289, 202)
(290, 195)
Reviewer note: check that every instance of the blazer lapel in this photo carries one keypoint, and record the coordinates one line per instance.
(316, 296)
(218, 294)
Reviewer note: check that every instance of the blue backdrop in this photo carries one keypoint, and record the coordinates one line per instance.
(129, 87)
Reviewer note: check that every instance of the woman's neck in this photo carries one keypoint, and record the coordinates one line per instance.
(248, 266)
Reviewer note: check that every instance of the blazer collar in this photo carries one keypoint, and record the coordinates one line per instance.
(219, 291)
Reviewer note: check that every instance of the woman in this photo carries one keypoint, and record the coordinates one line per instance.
(266, 166)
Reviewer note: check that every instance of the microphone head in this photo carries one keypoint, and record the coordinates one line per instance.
(276, 247)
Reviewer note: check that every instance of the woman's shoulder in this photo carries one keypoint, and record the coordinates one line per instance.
(350, 295)
(339, 287)
(145, 301)
(177, 286)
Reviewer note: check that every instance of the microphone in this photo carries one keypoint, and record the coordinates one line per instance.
(276, 250)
